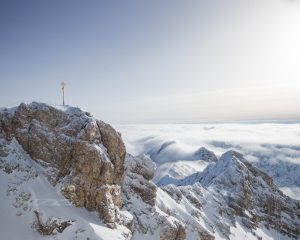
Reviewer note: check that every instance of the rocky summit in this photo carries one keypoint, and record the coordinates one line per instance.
(66, 175)
(86, 155)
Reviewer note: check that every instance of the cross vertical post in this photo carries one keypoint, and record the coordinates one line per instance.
(63, 84)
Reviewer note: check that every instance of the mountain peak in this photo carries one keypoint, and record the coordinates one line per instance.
(206, 155)
(87, 155)
(247, 189)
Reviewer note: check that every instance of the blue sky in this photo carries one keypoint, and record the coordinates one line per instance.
(154, 61)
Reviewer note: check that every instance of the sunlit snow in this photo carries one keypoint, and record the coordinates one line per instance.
(272, 147)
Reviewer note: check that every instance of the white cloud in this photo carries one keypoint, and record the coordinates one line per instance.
(274, 148)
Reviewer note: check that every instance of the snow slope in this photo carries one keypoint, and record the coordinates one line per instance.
(27, 189)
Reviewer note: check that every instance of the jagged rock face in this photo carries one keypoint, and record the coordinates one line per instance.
(173, 230)
(139, 198)
(230, 194)
(251, 194)
(87, 154)
(199, 201)
(139, 171)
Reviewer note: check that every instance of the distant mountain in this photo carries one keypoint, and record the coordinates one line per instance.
(239, 195)
(175, 172)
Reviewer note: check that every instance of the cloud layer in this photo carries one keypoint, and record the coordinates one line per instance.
(274, 148)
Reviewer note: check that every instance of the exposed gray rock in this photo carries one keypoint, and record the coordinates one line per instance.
(88, 154)
(252, 195)
(172, 229)
(139, 198)
(206, 155)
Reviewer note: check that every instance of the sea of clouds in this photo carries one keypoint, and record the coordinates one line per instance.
(272, 147)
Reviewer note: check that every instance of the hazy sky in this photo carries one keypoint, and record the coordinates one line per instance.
(154, 61)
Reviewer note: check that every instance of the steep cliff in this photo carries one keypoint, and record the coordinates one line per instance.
(85, 155)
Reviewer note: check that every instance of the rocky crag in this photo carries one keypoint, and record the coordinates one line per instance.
(86, 155)
(60, 165)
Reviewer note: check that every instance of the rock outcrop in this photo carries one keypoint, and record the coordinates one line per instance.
(206, 155)
(139, 198)
(251, 194)
(230, 194)
(87, 155)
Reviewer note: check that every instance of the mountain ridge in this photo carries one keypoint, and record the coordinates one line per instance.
(67, 175)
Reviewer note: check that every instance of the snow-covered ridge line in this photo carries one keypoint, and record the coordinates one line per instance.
(42, 106)
(67, 175)
(273, 148)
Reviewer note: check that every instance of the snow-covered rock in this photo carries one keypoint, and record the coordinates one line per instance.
(81, 156)
(26, 191)
(206, 155)
(60, 169)
(252, 194)
(139, 198)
